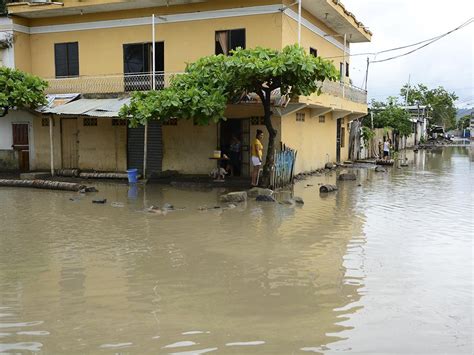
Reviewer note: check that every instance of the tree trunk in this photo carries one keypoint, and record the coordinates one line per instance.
(272, 132)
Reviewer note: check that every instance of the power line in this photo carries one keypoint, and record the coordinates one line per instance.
(468, 22)
(431, 40)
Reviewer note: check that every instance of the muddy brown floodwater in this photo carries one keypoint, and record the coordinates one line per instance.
(381, 268)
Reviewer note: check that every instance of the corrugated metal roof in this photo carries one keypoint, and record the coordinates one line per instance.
(57, 100)
(90, 107)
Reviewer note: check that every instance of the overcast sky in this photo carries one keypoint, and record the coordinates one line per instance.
(448, 62)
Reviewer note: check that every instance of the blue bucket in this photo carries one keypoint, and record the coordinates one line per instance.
(132, 175)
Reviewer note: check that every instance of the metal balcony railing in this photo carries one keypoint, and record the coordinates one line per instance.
(108, 84)
(346, 91)
(121, 83)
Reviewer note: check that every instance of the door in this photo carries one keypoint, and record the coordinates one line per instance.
(69, 143)
(21, 145)
(246, 147)
(338, 140)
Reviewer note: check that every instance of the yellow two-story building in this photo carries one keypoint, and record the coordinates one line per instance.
(95, 52)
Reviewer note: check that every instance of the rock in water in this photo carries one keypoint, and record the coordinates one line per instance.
(256, 191)
(289, 202)
(240, 196)
(347, 176)
(327, 188)
(298, 200)
(265, 198)
(379, 169)
(329, 166)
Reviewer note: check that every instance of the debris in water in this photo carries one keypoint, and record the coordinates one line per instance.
(117, 204)
(101, 201)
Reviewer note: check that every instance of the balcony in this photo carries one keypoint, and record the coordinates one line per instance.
(123, 83)
(108, 84)
(345, 91)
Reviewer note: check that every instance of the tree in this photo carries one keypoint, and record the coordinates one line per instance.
(208, 85)
(391, 115)
(3, 7)
(441, 103)
(19, 89)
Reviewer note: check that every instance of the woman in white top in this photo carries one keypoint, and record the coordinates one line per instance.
(386, 149)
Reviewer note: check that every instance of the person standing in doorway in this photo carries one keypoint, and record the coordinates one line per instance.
(386, 149)
(257, 154)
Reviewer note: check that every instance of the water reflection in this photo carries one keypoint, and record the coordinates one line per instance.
(259, 278)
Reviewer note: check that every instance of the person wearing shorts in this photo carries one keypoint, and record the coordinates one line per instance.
(256, 157)
(386, 149)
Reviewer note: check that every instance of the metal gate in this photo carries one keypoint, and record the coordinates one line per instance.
(135, 145)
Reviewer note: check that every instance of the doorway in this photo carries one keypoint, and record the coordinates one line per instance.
(338, 140)
(21, 145)
(234, 142)
(69, 143)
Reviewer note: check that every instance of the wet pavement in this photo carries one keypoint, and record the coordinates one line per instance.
(381, 268)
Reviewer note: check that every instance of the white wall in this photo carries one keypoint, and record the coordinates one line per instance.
(6, 135)
(7, 57)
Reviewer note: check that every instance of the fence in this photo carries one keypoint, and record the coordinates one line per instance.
(283, 168)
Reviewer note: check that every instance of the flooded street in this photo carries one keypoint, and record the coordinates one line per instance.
(381, 268)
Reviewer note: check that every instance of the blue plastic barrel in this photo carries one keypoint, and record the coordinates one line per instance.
(132, 175)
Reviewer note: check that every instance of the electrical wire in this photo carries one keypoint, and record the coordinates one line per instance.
(431, 40)
(468, 22)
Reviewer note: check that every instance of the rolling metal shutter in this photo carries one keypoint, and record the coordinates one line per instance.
(135, 141)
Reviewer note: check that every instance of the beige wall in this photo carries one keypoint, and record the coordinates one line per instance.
(184, 42)
(102, 147)
(22, 51)
(314, 141)
(187, 148)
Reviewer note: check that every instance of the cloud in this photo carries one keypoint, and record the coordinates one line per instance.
(448, 62)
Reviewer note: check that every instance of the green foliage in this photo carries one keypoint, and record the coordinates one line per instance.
(3, 7)
(19, 89)
(440, 101)
(464, 122)
(208, 85)
(391, 115)
(367, 135)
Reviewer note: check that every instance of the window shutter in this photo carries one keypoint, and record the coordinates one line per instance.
(60, 59)
(73, 59)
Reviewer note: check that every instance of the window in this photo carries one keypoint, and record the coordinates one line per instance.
(66, 59)
(90, 121)
(119, 122)
(341, 70)
(229, 40)
(257, 121)
(347, 69)
(313, 52)
(322, 119)
(300, 117)
(343, 136)
(138, 65)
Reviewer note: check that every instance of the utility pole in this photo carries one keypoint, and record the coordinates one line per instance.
(367, 74)
(299, 22)
(153, 86)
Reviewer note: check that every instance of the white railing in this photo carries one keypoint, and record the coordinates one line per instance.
(108, 84)
(346, 91)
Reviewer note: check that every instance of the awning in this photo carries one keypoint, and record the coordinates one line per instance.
(108, 108)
